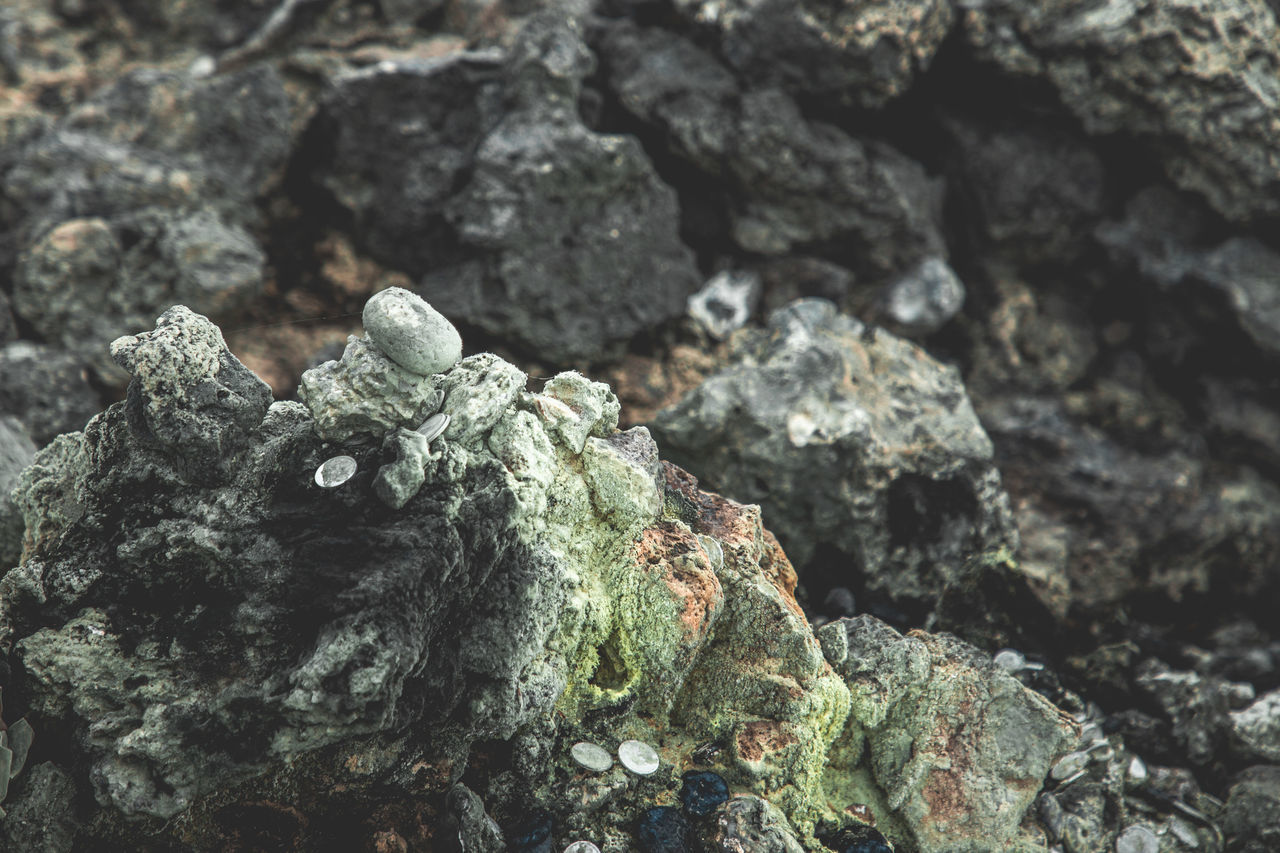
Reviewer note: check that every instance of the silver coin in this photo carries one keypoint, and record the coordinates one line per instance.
(433, 426)
(336, 471)
(591, 756)
(582, 847)
(638, 757)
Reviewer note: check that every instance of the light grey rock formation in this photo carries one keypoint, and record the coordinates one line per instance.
(851, 439)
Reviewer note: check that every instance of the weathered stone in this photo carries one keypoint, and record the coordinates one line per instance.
(16, 452)
(861, 52)
(540, 580)
(1034, 191)
(851, 439)
(520, 220)
(410, 332)
(365, 393)
(398, 481)
(44, 820)
(925, 299)
(1197, 81)
(789, 181)
(954, 783)
(1252, 819)
(140, 198)
(750, 823)
(1256, 728)
(1168, 239)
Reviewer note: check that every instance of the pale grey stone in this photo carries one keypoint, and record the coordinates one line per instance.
(410, 332)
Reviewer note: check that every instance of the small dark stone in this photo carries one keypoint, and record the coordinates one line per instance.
(533, 834)
(662, 830)
(702, 792)
(860, 839)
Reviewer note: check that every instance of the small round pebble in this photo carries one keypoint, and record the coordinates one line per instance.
(336, 471)
(638, 757)
(433, 426)
(702, 792)
(591, 756)
(410, 332)
(1137, 839)
(582, 847)
(1010, 660)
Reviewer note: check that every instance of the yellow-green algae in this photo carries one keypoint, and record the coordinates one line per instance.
(589, 497)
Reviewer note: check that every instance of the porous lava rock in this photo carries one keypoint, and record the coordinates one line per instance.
(475, 175)
(785, 180)
(16, 451)
(1197, 82)
(141, 196)
(46, 388)
(947, 782)
(234, 655)
(864, 52)
(850, 439)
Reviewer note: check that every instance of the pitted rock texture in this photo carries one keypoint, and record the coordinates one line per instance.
(540, 579)
(786, 181)
(1198, 81)
(852, 438)
(138, 198)
(180, 560)
(865, 52)
(16, 451)
(956, 783)
(514, 216)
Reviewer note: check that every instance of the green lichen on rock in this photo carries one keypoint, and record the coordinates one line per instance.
(533, 576)
(957, 748)
(365, 392)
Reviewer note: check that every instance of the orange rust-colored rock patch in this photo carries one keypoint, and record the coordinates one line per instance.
(686, 569)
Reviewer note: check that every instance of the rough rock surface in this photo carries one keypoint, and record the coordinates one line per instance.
(853, 438)
(954, 786)
(16, 451)
(866, 51)
(787, 181)
(1164, 235)
(138, 198)
(1198, 81)
(316, 634)
(516, 217)
(1253, 810)
(46, 388)
(1034, 188)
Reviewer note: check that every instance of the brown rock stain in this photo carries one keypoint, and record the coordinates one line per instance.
(758, 737)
